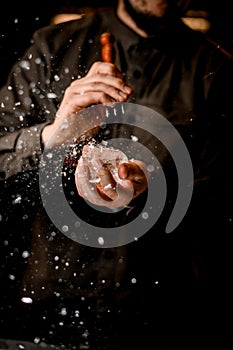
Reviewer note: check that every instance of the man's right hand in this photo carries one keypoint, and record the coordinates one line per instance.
(103, 84)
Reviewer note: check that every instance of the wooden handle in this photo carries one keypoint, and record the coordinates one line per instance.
(108, 50)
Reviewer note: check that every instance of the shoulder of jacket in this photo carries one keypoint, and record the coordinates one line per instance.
(87, 21)
(65, 28)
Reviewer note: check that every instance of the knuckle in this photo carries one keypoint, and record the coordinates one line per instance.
(72, 84)
(102, 96)
(96, 65)
(94, 84)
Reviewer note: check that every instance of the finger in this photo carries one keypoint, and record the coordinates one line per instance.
(137, 173)
(112, 86)
(85, 187)
(130, 171)
(82, 175)
(107, 68)
(101, 92)
(123, 195)
(107, 184)
(73, 104)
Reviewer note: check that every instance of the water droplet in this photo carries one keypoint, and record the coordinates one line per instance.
(100, 240)
(65, 228)
(27, 300)
(145, 215)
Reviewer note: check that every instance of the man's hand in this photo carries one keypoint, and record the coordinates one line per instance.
(103, 84)
(105, 177)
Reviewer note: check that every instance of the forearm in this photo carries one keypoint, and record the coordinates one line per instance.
(21, 151)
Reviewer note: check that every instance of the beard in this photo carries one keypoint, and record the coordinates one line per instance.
(149, 22)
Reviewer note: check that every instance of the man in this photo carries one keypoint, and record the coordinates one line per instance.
(138, 294)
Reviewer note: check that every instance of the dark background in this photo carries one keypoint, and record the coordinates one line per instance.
(18, 20)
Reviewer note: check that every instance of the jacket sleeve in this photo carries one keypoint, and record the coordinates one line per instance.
(27, 105)
(20, 151)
